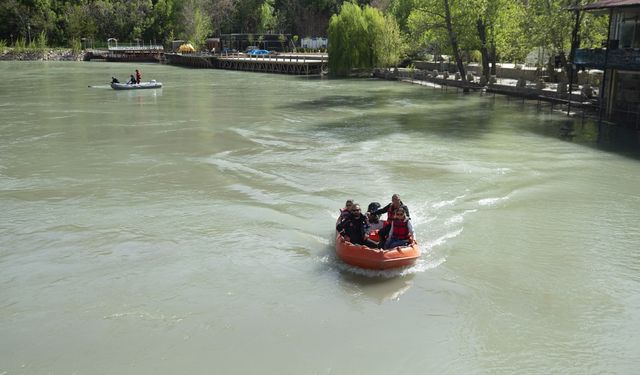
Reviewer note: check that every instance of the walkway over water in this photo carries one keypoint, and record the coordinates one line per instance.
(149, 53)
(283, 64)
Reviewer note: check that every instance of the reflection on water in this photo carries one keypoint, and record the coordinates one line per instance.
(139, 96)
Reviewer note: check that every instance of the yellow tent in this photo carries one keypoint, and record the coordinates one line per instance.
(186, 48)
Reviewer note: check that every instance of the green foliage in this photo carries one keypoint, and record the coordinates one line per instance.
(475, 56)
(268, 19)
(349, 44)
(427, 25)
(515, 27)
(20, 46)
(162, 22)
(401, 9)
(41, 41)
(76, 46)
(507, 32)
(390, 45)
(361, 38)
(593, 30)
(547, 24)
(195, 25)
(247, 15)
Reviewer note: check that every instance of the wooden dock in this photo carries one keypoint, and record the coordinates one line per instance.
(126, 54)
(152, 53)
(282, 64)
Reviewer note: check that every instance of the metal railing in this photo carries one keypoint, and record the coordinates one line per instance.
(621, 58)
(135, 47)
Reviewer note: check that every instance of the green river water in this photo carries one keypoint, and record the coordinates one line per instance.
(189, 230)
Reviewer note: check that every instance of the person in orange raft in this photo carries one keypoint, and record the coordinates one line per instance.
(138, 76)
(390, 210)
(401, 232)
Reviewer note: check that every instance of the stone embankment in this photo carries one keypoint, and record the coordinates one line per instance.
(46, 55)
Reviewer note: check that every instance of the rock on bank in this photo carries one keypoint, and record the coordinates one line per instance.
(45, 55)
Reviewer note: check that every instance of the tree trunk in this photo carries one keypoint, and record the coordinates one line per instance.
(575, 44)
(454, 43)
(482, 33)
(494, 58)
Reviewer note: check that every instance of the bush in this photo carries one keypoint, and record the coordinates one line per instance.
(20, 46)
(76, 46)
(475, 56)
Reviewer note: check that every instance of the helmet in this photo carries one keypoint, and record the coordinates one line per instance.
(373, 206)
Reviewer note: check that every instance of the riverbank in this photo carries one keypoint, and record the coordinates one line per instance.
(583, 98)
(9, 54)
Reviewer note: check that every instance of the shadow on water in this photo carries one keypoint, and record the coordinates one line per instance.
(445, 116)
(459, 116)
(590, 133)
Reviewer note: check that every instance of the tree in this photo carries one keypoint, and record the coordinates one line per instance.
(446, 23)
(221, 14)
(247, 15)
(268, 19)
(195, 24)
(162, 25)
(495, 19)
(306, 17)
(361, 38)
(390, 45)
(401, 10)
(453, 40)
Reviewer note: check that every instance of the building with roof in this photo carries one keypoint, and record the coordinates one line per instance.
(242, 42)
(619, 59)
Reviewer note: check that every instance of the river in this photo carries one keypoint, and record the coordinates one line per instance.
(190, 229)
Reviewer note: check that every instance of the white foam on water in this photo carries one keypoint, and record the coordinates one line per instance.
(492, 201)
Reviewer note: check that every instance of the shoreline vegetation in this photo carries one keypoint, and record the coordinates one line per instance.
(37, 54)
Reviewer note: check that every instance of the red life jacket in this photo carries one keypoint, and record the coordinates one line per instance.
(400, 230)
(390, 214)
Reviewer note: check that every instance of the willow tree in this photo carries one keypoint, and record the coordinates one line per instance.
(268, 18)
(390, 44)
(361, 39)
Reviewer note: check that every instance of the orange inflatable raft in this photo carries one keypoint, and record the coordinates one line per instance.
(376, 259)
